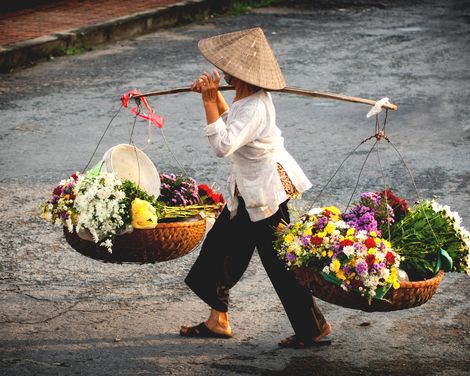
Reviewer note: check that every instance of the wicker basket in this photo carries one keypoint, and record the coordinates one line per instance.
(165, 242)
(409, 295)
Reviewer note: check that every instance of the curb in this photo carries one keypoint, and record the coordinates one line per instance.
(27, 52)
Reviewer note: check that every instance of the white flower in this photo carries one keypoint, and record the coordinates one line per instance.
(314, 212)
(348, 250)
(108, 243)
(341, 225)
(326, 269)
(97, 212)
(362, 236)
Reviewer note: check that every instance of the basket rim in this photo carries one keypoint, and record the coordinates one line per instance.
(426, 282)
(178, 224)
(403, 284)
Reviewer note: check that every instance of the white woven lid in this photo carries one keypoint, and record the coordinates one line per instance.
(245, 54)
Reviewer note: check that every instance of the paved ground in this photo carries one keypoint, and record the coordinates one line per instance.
(63, 314)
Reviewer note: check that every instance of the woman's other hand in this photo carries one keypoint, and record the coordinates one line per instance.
(209, 86)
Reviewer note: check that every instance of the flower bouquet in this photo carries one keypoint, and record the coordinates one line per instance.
(368, 254)
(115, 220)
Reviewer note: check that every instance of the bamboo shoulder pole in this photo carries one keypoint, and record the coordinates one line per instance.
(287, 90)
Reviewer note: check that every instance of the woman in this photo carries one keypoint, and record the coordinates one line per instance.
(263, 177)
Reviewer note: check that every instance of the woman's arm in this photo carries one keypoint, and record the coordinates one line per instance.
(221, 104)
(214, 102)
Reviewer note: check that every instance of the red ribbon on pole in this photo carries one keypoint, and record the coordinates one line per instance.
(156, 120)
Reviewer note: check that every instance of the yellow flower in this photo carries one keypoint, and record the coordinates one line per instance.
(288, 238)
(308, 231)
(335, 265)
(350, 232)
(321, 234)
(332, 209)
(396, 285)
(371, 251)
(373, 234)
(387, 243)
(340, 275)
(323, 253)
(330, 253)
(330, 227)
(143, 214)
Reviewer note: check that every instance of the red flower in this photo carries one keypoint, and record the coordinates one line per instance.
(327, 213)
(74, 176)
(390, 257)
(316, 240)
(370, 259)
(370, 243)
(57, 190)
(209, 196)
(395, 202)
(346, 242)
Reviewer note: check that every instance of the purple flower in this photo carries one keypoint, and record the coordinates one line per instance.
(322, 222)
(372, 197)
(377, 267)
(305, 240)
(290, 257)
(361, 267)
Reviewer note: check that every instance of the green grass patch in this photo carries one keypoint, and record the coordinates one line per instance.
(71, 51)
(245, 5)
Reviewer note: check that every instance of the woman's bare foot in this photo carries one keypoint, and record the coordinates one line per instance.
(324, 332)
(296, 342)
(216, 323)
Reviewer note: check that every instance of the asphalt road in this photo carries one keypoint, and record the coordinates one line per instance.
(64, 314)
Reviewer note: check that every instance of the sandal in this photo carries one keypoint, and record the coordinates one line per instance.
(294, 342)
(202, 331)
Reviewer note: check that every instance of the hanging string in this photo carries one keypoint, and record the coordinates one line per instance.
(315, 200)
(379, 135)
(416, 189)
(173, 154)
(135, 120)
(165, 140)
(101, 139)
(360, 174)
(384, 189)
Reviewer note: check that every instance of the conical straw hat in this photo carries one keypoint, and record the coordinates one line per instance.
(245, 54)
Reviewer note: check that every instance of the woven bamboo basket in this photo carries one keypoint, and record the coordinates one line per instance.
(409, 295)
(165, 242)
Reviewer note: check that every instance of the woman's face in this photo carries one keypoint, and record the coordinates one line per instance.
(228, 78)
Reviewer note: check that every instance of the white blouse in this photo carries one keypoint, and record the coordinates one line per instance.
(249, 136)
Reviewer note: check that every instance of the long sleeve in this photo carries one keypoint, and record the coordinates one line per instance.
(241, 127)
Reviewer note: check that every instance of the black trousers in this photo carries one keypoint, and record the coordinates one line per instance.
(225, 255)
